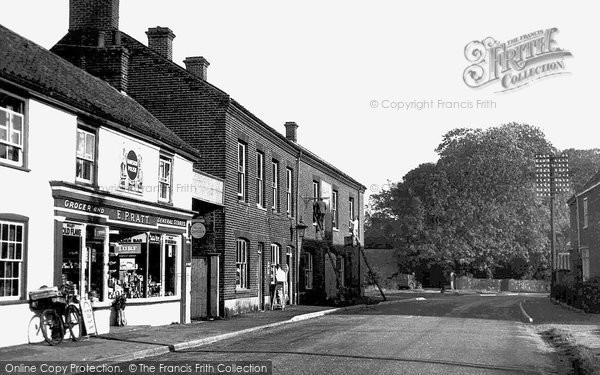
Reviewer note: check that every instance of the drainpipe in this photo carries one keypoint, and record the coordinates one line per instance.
(578, 234)
(298, 240)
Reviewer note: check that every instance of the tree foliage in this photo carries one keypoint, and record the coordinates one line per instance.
(475, 211)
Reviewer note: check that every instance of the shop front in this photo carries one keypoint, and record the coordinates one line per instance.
(108, 246)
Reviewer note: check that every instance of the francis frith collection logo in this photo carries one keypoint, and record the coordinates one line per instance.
(514, 63)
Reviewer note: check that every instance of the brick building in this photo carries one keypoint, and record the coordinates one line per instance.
(584, 208)
(269, 180)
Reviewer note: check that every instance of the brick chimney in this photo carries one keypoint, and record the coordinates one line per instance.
(160, 39)
(290, 131)
(197, 65)
(94, 41)
(94, 14)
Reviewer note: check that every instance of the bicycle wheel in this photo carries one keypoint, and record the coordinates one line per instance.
(73, 322)
(52, 327)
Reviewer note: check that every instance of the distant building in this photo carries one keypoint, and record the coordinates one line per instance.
(584, 208)
(270, 182)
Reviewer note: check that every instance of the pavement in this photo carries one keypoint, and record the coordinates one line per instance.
(135, 342)
(584, 329)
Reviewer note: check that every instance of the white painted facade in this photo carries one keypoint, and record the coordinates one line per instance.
(35, 193)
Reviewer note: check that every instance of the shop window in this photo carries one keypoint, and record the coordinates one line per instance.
(260, 179)
(241, 264)
(308, 270)
(86, 145)
(12, 130)
(12, 255)
(164, 179)
(143, 265)
(83, 258)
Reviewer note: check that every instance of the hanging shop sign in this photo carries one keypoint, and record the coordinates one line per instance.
(73, 230)
(198, 230)
(132, 178)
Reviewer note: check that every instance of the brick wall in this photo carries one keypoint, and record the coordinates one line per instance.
(95, 14)
(590, 236)
(244, 219)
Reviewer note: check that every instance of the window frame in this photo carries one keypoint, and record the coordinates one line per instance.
(24, 132)
(316, 189)
(242, 170)
(585, 263)
(308, 271)
(23, 222)
(260, 179)
(289, 187)
(275, 184)
(342, 270)
(585, 213)
(334, 209)
(87, 131)
(275, 250)
(165, 159)
(242, 264)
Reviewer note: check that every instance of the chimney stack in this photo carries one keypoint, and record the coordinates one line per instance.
(94, 14)
(160, 39)
(290, 131)
(197, 65)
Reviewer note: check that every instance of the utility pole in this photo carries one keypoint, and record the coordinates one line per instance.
(552, 177)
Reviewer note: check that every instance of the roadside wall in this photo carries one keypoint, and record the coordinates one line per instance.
(504, 285)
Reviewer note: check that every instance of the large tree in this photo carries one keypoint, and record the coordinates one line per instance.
(475, 211)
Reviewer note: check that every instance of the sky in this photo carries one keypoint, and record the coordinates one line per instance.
(339, 69)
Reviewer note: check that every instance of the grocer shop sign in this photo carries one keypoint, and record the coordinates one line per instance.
(119, 214)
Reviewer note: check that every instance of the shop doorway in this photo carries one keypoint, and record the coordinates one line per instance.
(204, 303)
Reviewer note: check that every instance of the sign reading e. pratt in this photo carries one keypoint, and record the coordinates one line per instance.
(515, 63)
(132, 178)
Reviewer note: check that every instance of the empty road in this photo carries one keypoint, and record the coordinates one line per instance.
(442, 334)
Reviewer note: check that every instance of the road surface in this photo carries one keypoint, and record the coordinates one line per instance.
(442, 334)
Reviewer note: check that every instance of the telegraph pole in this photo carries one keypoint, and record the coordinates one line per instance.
(552, 177)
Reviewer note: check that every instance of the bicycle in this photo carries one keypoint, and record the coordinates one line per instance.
(58, 313)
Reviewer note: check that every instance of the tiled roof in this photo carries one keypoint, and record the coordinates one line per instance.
(591, 182)
(37, 69)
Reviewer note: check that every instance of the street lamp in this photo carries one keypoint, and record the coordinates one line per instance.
(301, 228)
